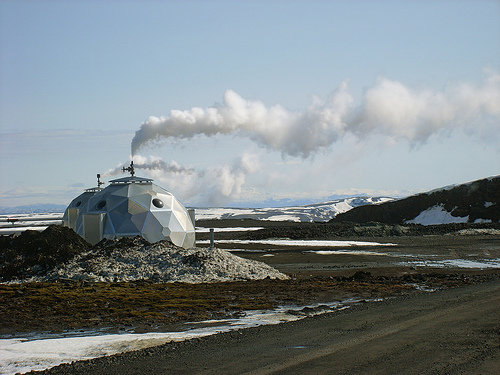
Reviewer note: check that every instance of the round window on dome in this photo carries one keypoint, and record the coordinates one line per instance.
(77, 204)
(101, 205)
(157, 202)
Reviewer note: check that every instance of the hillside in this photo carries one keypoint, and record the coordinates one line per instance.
(317, 212)
(473, 202)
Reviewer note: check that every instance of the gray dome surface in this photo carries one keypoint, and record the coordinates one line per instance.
(128, 207)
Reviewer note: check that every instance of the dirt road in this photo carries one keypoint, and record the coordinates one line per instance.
(453, 331)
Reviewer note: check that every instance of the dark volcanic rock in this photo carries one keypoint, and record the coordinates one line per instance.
(33, 253)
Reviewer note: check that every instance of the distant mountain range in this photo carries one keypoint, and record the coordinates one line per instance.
(39, 208)
(319, 212)
(472, 202)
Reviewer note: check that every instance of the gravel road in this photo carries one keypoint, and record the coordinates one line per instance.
(452, 331)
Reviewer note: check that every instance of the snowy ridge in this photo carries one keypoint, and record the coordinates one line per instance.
(471, 202)
(319, 212)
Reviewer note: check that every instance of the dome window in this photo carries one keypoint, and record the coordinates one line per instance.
(77, 204)
(157, 202)
(101, 205)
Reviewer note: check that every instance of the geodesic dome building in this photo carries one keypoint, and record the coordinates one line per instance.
(128, 207)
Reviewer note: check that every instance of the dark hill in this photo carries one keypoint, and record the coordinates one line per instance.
(32, 252)
(477, 200)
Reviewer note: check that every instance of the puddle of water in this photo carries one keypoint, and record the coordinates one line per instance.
(345, 252)
(455, 263)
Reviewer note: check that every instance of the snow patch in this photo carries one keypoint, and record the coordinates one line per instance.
(478, 231)
(233, 229)
(436, 215)
(346, 252)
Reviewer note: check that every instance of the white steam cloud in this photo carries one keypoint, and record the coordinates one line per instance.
(216, 185)
(390, 109)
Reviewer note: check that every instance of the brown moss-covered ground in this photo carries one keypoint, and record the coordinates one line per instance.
(145, 306)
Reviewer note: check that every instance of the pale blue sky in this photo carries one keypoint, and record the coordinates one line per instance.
(78, 78)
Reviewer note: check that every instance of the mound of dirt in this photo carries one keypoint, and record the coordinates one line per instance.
(132, 259)
(34, 253)
(59, 253)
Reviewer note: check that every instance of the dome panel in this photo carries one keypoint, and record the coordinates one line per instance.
(127, 226)
(166, 232)
(182, 215)
(119, 215)
(139, 220)
(92, 203)
(178, 238)
(152, 230)
(178, 208)
(119, 210)
(167, 202)
(120, 191)
(128, 217)
(143, 199)
(159, 190)
(163, 217)
(138, 189)
(109, 229)
(135, 208)
(185, 221)
(113, 201)
(175, 225)
(189, 240)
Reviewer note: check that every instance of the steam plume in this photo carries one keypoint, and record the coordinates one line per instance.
(217, 185)
(151, 164)
(389, 108)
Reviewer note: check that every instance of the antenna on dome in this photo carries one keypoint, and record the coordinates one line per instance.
(99, 182)
(130, 169)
